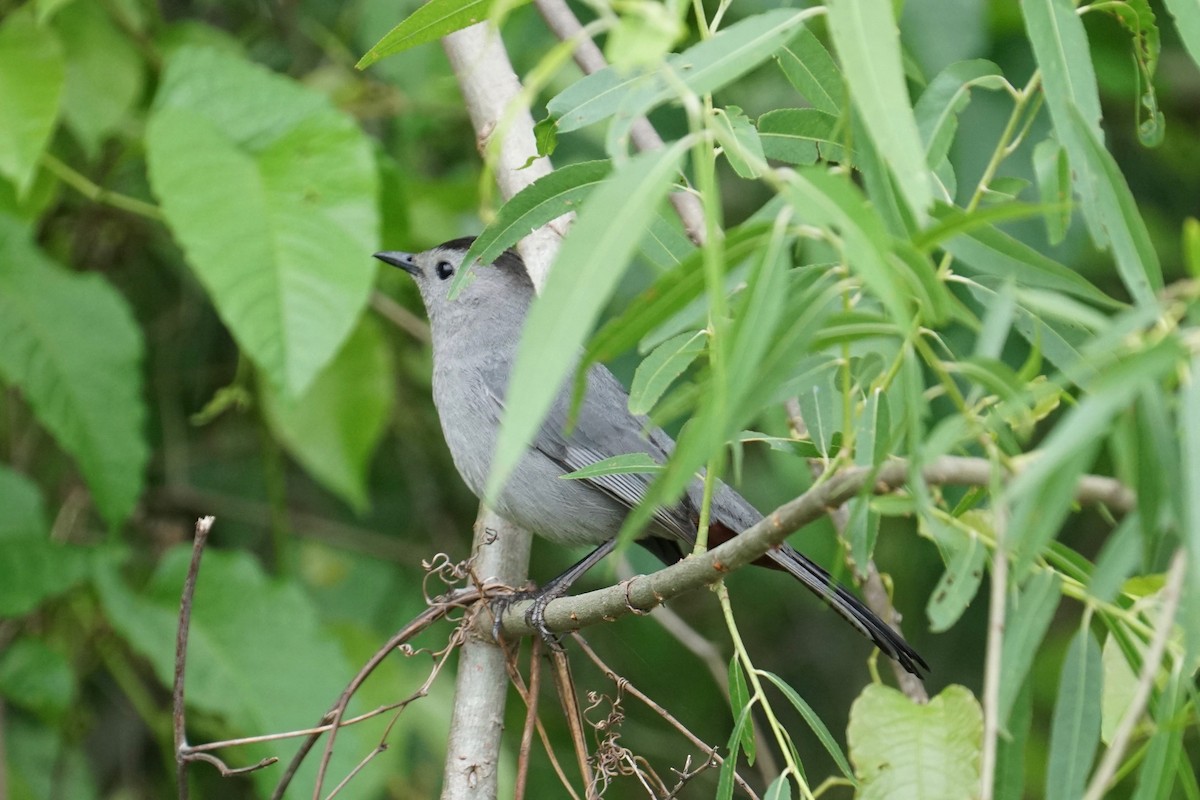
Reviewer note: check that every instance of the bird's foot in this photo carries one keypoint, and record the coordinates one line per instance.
(535, 615)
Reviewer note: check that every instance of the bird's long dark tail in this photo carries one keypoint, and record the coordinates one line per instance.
(822, 584)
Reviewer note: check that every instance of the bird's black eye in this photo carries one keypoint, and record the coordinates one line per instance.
(444, 269)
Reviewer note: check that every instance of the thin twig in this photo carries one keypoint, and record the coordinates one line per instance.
(570, 706)
(514, 675)
(531, 705)
(203, 526)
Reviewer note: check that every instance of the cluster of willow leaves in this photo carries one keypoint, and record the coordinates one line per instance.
(958, 237)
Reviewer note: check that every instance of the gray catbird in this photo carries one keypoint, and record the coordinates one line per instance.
(474, 344)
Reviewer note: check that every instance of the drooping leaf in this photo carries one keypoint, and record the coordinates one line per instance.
(282, 241)
(428, 23)
(659, 370)
(335, 426)
(1028, 618)
(70, 344)
(1075, 728)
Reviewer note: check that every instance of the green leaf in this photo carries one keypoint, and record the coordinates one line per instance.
(1075, 728)
(1028, 618)
(964, 573)
(800, 136)
(1054, 185)
(659, 370)
(32, 75)
(428, 23)
(37, 569)
(867, 40)
(780, 789)
(739, 141)
(1120, 686)
(36, 678)
(70, 344)
(739, 703)
(1115, 210)
(592, 259)
(24, 513)
(335, 426)
(1165, 750)
(1010, 749)
(1189, 459)
(814, 722)
(625, 464)
(813, 73)
(547, 198)
(246, 630)
(1186, 14)
(282, 241)
(872, 440)
(902, 749)
(1138, 18)
(1117, 560)
(946, 96)
(104, 73)
(702, 68)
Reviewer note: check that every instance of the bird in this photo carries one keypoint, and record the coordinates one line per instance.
(475, 337)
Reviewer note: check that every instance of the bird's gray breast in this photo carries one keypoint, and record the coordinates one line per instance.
(469, 399)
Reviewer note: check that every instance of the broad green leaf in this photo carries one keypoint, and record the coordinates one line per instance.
(1186, 14)
(739, 703)
(800, 136)
(702, 68)
(1054, 185)
(625, 464)
(1075, 728)
(37, 569)
(659, 370)
(32, 75)
(70, 344)
(1115, 210)
(867, 40)
(1027, 620)
(335, 426)
(282, 241)
(24, 513)
(812, 72)
(739, 141)
(547, 198)
(246, 630)
(814, 722)
(902, 749)
(428, 23)
(36, 678)
(45, 761)
(104, 73)
(591, 261)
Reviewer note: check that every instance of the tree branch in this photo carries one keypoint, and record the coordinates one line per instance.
(646, 592)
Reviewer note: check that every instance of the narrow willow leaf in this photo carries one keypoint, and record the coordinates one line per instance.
(725, 779)
(1054, 185)
(31, 61)
(928, 751)
(867, 40)
(625, 464)
(1191, 246)
(429, 23)
(70, 343)
(739, 703)
(814, 722)
(1028, 618)
(946, 96)
(1120, 686)
(872, 439)
(547, 198)
(282, 241)
(1075, 728)
(800, 136)
(813, 73)
(592, 259)
(1155, 780)
(780, 789)
(1010, 749)
(666, 245)
(1118, 558)
(1116, 210)
(1189, 459)
(659, 370)
(960, 582)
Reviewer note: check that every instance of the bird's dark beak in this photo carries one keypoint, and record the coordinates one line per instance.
(402, 260)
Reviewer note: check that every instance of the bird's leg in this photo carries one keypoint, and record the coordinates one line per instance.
(556, 588)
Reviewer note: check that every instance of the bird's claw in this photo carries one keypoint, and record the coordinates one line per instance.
(535, 615)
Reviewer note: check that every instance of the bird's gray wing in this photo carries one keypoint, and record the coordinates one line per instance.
(605, 428)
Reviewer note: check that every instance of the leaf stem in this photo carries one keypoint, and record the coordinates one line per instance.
(97, 193)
